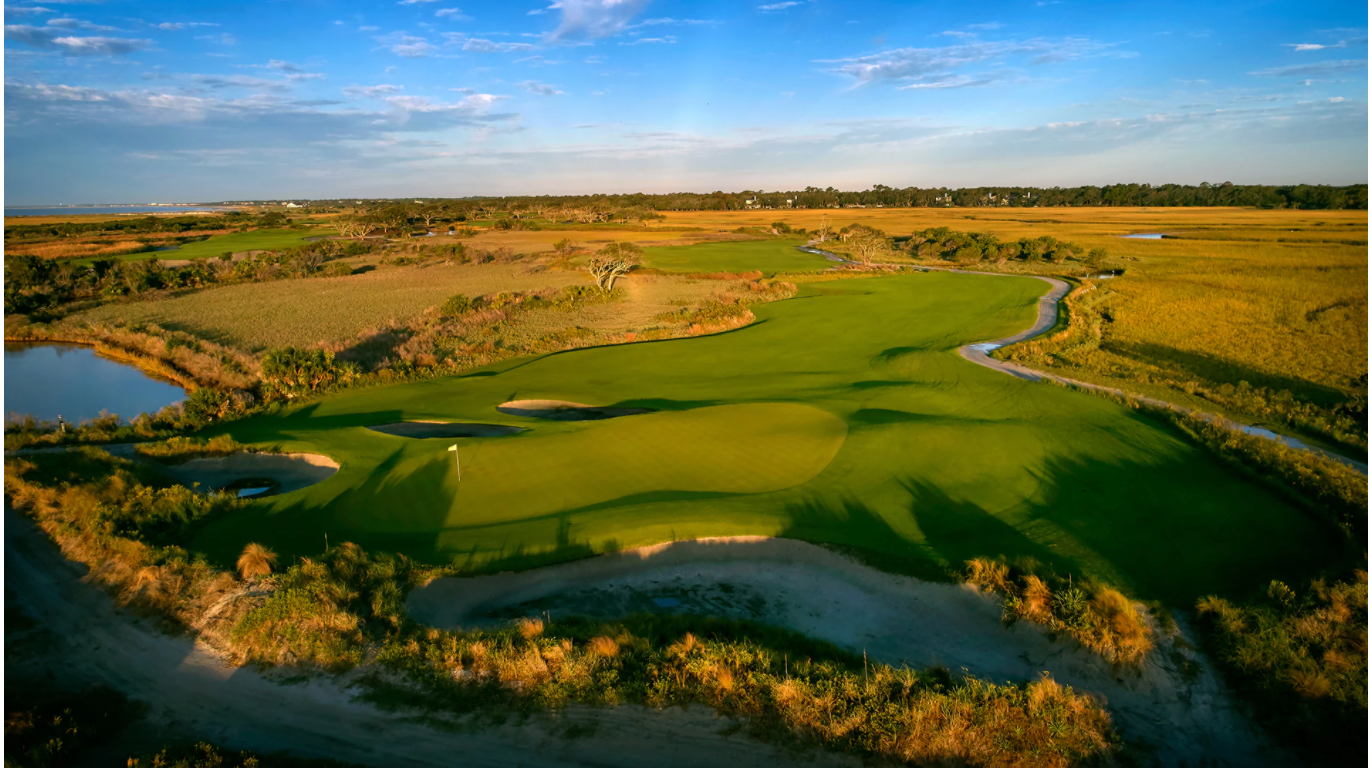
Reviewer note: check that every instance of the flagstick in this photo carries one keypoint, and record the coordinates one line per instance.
(457, 457)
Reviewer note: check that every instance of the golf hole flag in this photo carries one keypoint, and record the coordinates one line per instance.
(457, 457)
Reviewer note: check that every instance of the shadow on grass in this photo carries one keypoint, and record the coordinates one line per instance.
(1209, 367)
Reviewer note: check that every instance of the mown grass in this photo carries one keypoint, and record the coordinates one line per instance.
(842, 416)
(1274, 298)
(344, 609)
(768, 257)
(255, 240)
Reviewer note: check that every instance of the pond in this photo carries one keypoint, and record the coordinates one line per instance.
(45, 380)
(1144, 236)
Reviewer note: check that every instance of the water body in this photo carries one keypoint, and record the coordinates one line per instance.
(1144, 236)
(86, 210)
(45, 380)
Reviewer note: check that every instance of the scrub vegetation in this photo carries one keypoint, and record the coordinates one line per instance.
(345, 608)
(1302, 656)
(1097, 615)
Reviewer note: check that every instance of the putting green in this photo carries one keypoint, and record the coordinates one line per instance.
(843, 415)
(766, 256)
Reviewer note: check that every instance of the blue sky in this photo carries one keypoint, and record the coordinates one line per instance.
(156, 101)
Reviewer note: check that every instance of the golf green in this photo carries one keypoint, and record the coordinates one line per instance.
(843, 416)
(766, 256)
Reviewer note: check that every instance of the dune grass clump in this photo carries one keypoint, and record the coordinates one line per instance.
(785, 687)
(1302, 659)
(122, 520)
(324, 611)
(179, 448)
(1100, 617)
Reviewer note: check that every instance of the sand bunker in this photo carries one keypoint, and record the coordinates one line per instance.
(285, 471)
(1175, 704)
(423, 429)
(561, 410)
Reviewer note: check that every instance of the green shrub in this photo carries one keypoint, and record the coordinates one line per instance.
(456, 306)
(1302, 659)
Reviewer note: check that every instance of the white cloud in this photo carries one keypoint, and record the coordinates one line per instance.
(541, 89)
(666, 39)
(406, 45)
(19, 10)
(452, 14)
(48, 37)
(592, 19)
(482, 45)
(283, 66)
(958, 81)
(922, 63)
(779, 6)
(79, 24)
(416, 2)
(1315, 69)
(372, 91)
(176, 26)
(670, 22)
(237, 81)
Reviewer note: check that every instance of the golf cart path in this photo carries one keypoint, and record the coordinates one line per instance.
(192, 694)
(980, 353)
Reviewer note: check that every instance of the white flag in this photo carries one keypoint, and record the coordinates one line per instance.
(457, 457)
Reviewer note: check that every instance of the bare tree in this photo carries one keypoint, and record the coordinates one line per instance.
(356, 226)
(868, 247)
(823, 229)
(612, 262)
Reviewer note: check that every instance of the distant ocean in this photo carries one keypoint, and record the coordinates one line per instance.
(86, 210)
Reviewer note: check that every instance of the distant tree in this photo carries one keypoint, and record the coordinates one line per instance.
(824, 229)
(612, 262)
(429, 213)
(867, 246)
(256, 561)
(356, 226)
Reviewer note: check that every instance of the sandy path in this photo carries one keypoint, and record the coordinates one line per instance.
(1175, 709)
(192, 695)
(980, 353)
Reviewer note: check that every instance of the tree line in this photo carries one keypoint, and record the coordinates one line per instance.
(629, 207)
(34, 284)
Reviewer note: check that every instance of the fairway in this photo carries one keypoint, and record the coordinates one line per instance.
(842, 416)
(257, 240)
(768, 257)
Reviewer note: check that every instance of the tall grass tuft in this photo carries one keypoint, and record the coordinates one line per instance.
(256, 561)
(1099, 617)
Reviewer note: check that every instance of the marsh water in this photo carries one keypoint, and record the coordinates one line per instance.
(47, 380)
(86, 210)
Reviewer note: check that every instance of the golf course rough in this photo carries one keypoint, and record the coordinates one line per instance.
(841, 416)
